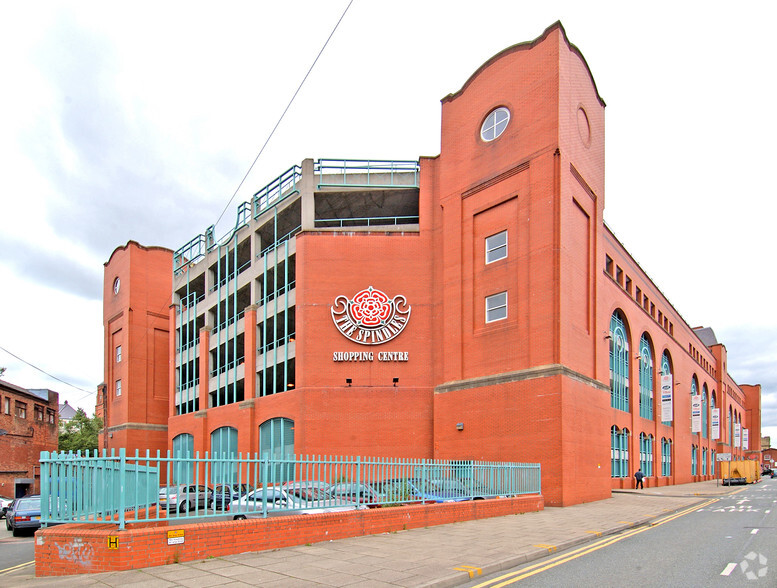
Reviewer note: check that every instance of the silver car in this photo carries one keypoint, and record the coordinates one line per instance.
(292, 498)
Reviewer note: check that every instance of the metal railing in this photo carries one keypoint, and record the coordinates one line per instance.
(120, 489)
(373, 221)
(367, 173)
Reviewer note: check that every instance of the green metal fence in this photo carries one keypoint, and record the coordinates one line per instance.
(120, 489)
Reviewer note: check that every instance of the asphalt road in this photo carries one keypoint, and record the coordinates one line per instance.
(730, 541)
(17, 554)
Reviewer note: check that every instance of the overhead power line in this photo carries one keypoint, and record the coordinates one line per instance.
(285, 110)
(45, 372)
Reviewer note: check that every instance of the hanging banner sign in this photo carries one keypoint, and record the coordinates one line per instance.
(696, 414)
(745, 438)
(666, 398)
(370, 317)
(737, 435)
(715, 423)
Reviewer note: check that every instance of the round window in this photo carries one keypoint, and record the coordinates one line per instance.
(495, 124)
(116, 285)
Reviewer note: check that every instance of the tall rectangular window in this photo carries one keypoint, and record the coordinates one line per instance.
(496, 247)
(118, 353)
(21, 410)
(118, 388)
(7, 405)
(496, 307)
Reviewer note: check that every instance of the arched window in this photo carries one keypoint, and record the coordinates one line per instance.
(223, 453)
(694, 459)
(666, 370)
(694, 392)
(703, 461)
(704, 411)
(713, 458)
(646, 454)
(730, 427)
(183, 459)
(276, 442)
(666, 457)
(645, 378)
(619, 363)
(619, 451)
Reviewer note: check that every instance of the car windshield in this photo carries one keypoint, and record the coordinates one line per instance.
(28, 504)
(446, 486)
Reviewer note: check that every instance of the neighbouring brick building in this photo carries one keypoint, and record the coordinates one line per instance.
(29, 424)
(468, 306)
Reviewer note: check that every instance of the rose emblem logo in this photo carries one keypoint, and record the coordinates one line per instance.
(370, 317)
(371, 307)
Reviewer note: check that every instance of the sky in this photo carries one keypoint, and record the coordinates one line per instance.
(139, 120)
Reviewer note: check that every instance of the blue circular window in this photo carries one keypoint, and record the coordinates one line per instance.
(495, 124)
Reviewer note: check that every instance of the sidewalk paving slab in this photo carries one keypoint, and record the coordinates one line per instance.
(418, 558)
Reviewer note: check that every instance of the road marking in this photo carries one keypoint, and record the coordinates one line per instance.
(20, 566)
(471, 570)
(754, 531)
(531, 570)
(767, 511)
(597, 533)
(729, 568)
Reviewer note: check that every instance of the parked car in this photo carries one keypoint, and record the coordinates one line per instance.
(24, 513)
(447, 490)
(359, 493)
(5, 504)
(225, 494)
(309, 497)
(186, 497)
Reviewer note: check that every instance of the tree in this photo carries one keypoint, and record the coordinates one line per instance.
(2, 371)
(79, 433)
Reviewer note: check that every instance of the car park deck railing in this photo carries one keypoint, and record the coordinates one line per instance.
(120, 489)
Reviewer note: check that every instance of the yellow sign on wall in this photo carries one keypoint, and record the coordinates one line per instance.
(113, 542)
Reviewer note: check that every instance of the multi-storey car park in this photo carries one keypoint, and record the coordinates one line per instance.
(468, 306)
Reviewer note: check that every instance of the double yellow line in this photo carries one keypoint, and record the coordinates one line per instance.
(18, 567)
(513, 577)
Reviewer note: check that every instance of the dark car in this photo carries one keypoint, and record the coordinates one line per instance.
(225, 494)
(24, 513)
(5, 504)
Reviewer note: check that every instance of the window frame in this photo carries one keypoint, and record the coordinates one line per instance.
(490, 310)
(117, 388)
(491, 125)
(490, 250)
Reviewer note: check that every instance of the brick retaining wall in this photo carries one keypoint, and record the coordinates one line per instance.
(79, 549)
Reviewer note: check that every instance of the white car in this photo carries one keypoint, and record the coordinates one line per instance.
(290, 499)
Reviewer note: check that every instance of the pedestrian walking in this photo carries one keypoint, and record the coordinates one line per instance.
(639, 475)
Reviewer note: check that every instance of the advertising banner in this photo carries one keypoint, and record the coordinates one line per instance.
(666, 398)
(696, 414)
(737, 435)
(745, 438)
(715, 423)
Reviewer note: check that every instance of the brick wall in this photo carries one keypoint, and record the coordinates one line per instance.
(78, 549)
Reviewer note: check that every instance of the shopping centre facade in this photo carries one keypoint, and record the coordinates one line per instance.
(468, 306)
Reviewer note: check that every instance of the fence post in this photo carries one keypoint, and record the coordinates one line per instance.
(45, 483)
(122, 484)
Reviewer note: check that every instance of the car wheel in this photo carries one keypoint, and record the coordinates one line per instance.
(7, 524)
(184, 506)
(239, 518)
(15, 532)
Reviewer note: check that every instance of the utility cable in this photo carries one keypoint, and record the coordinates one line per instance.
(46, 373)
(277, 124)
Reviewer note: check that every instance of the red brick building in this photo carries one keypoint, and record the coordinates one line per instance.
(469, 306)
(133, 400)
(29, 424)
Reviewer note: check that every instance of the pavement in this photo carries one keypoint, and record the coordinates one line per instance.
(431, 557)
